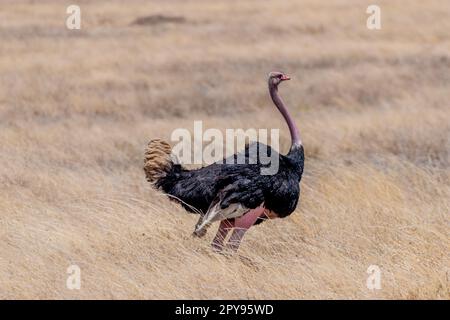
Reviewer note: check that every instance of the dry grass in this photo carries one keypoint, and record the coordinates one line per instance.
(78, 107)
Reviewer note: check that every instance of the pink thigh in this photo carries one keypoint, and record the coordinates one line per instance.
(248, 219)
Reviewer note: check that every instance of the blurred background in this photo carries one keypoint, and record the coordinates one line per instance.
(77, 108)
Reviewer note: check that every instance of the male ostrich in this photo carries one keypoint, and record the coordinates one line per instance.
(238, 195)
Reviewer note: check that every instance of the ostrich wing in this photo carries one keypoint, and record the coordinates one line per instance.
(233, 201)
(240, 186)
(215, 213)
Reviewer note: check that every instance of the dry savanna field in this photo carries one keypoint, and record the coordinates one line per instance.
(77, 108)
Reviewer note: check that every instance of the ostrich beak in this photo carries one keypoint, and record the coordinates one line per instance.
(285, 77)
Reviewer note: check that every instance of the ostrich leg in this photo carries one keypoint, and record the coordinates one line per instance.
(224, 228)
(241, 225)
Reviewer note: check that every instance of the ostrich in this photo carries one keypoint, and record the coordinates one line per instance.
(237, 195)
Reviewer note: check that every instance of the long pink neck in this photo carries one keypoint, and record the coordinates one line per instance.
(295, 135)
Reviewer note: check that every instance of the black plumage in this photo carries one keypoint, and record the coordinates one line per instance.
(238, 183)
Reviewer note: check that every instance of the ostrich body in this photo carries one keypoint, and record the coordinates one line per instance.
(237, 195)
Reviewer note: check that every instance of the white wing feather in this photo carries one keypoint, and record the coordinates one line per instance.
(215, 213)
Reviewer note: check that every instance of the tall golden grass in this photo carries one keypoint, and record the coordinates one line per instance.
(78, 107)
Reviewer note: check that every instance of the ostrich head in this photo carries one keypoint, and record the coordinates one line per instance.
(275, 78)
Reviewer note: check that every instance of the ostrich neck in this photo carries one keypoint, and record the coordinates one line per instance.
(295, 135)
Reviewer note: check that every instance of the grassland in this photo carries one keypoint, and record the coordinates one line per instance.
(78, 107)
